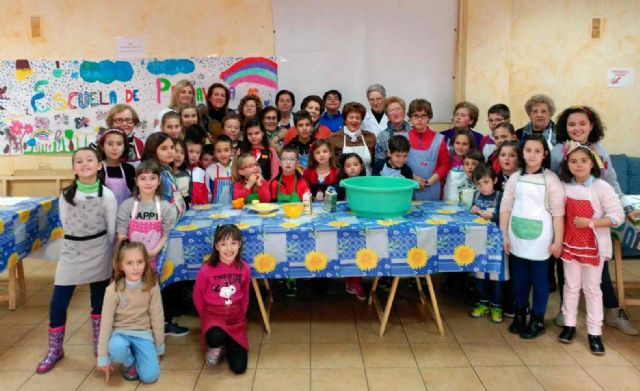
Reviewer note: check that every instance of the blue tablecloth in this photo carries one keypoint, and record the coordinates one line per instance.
(27, 226)
(433, 237)
(629, 232)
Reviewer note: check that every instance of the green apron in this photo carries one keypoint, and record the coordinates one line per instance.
(293, 197)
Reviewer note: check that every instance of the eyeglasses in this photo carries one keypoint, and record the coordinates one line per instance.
(271, 118)
(252, 165)
(289, 160)
(121, 121)
(419, 116)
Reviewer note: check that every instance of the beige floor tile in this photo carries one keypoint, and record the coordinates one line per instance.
(95, 382)
(254, 353)
(223, 379)
(183, 357)
(551, 334)
(41, 298)
(174, 379)
(615, 378)
(369, 331)
(474, 330)
(444, 354)
(490, 354)
(4, 348)
(394, 379)
(562, 378)
(579, 351)
(192, 338)
(289, 331)
(290, 379)
(543, 352)
(336, 356)
(629, 350)
(337, 379)
(56, 380)
(426, 331)
(13, 379)
(333, 332)
(332, 312)
(387, 355)
(23, 357)
(505, 378)
(459, 379)
(284, 356)
(39, 335)
(77, 357)
(83, 335)
(26, 316)
(12, 334)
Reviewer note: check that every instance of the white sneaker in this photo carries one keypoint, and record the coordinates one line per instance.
(213, 356)
(619, 319)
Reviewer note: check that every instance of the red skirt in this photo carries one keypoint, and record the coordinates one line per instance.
(229, 318)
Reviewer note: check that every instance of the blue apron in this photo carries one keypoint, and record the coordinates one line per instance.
(423, 164)
(222, 188)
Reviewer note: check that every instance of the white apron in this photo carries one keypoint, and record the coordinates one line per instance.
(361, 150)
(455, 178)
(531, 224)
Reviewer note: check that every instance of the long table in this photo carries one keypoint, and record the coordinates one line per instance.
(433, 237)
(26, 224)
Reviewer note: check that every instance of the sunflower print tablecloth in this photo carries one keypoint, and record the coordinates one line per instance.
(629, 232)
(433, 237)
(27, 226)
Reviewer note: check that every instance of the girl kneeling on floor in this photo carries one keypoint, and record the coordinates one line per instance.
(132, 329)
(221, 296)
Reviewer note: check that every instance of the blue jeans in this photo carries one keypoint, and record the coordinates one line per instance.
(525, 274)
(130, 350)
(489, 291)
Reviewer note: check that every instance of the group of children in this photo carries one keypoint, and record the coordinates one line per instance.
(127, 196)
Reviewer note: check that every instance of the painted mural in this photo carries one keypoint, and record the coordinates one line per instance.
(49, 106)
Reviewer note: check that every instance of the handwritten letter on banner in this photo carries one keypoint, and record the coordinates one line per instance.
(49, 106)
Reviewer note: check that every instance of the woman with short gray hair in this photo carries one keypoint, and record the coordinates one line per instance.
(376, 119)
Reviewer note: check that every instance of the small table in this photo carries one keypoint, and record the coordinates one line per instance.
(26, 224)
(629, 235)
(433, 237)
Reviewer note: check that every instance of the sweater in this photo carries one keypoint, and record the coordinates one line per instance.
(449, 133)
(311, 175)
(287, 186)
(131, 311)
(240, 191)
(319, 131)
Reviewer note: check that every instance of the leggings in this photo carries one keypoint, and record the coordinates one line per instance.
(609, 298)
(62, 296)
(237, 356)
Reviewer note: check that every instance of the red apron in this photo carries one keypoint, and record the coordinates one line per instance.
(229, 318)
(148, 232)
(579, 244)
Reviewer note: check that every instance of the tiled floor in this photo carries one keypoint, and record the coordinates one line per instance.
(331, 343)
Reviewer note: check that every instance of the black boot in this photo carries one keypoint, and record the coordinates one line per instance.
(535, 327)
(519, 321)
(567, 334)
(596, 345)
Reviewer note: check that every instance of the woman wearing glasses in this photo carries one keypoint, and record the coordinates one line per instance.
(125, 118)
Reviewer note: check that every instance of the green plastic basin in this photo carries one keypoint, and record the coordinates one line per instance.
(379, 197)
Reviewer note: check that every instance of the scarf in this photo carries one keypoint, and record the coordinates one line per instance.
(353, 136)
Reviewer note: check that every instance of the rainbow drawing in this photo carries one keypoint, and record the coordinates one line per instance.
(256, 70)
(41, 135)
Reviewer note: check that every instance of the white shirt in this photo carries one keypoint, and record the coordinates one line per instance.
(371, 124)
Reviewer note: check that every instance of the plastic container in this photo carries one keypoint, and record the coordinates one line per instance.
(379, 197)
(293, 209)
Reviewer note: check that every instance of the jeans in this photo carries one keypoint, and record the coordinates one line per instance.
(62, 296)
(130, 350)
(237, 356)
(526, 273)
(495, 296)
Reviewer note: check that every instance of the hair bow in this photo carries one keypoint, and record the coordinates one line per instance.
(570, 146)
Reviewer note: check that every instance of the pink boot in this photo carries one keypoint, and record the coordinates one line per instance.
(95, 326)
(55, 353)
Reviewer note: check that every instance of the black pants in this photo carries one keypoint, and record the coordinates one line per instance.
(177, 299)
(237, 356)
(62, 295)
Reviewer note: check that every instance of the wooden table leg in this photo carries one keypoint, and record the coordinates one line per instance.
(421, 295)
(433, 308)
(263, 311)
(373, 289)
(12, 288)
(388, 305)
(21, 281)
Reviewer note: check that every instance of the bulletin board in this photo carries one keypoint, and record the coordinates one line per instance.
(407, 46)
(57, 106)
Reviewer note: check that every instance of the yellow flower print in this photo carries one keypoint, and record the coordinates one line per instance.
(451, 202)
(46, 205)
(167, 270)
(218, 215)
(464, 255)
(242, 225)
(417, 202)
(36, 245)
(23, 216)
(446, 211)
(56, 233)
(264, 263)
(417, 258)
(202, 206)
(480, 220)
(1, 226)
(386, 223)
(289, 224)
(366, 259)
(268, 214)
(338, 223)
(436, 221)
(205, 258)
(315, 261)
(13, 260)
(189, 227)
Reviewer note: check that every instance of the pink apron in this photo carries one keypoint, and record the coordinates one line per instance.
(117, 185)
(148, 232)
